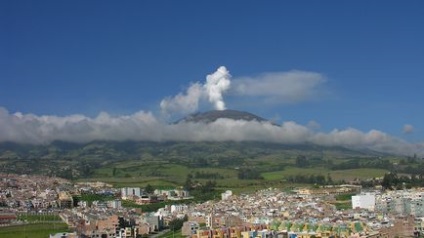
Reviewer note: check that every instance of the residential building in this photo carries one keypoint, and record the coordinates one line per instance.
(127, 192)
(189, 228)
(364, 201)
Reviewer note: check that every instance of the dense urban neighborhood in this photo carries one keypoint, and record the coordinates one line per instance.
(97, 209)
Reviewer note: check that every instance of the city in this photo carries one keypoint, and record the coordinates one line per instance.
(300, 212)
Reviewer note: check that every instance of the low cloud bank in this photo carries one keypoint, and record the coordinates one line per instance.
(30, 128)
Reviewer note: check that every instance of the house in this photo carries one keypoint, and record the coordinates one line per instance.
(189, 228)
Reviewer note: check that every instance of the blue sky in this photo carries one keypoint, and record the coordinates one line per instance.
(86, 57)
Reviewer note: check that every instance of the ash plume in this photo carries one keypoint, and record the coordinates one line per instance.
(216, 84)
(213, 89)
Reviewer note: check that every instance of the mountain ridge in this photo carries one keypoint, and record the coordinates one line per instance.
(213, 115)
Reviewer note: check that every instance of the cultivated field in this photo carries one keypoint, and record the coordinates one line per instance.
(38, 230)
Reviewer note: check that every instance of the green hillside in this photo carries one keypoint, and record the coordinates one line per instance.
(230, 164)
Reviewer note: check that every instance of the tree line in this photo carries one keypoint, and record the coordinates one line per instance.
(394, 181)
(310, 179)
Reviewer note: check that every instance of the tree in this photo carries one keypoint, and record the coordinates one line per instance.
(149, 189)
(177, 223)
(302, 161)
(188, 185)
(389, 181)
(249, 174)
(329, 179)
(320, 179)
(209, 186)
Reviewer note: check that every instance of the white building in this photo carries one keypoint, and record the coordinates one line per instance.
(172, 193)
(226, 195)
(417, 207)
(178, 208)
(419, 225)
(116, 204)
(365, 201)
(209, 221)
(130, 192)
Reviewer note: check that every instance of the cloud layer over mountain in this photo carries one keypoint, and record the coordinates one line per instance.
(29, 128)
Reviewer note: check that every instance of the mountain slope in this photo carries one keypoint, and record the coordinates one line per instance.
(81, 160)
(211, 116)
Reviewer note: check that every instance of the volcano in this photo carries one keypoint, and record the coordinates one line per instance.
(211, 116)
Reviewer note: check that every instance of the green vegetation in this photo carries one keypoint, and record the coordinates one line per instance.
(393, 181)
(344, 197)
(343, 201)
(247, 173)
(335, 175)
(90, 197)
(239, 166)
(177, 223)
(363, 173)
(172, 234)
(36, 230)
(38, 217)
(343, 205)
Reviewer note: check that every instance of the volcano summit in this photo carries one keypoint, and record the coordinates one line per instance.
(211, 116)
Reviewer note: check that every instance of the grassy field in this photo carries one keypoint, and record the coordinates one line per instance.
(171, 234)
(39, 230)
(292, 171)
(174, 175)
(38, 217)
(348, 174)
(135, 181)
(162, 173)
(133, 173)
(143, 171)
(357, 173)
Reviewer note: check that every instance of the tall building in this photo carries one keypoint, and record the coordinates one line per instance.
(65, 200)
(365, 201)
(130, 192)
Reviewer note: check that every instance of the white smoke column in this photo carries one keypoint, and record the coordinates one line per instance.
(188, 102)
(216, 84)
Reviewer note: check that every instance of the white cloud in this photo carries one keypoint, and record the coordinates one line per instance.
(29, 128)
(408, 129)
(284, 87)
